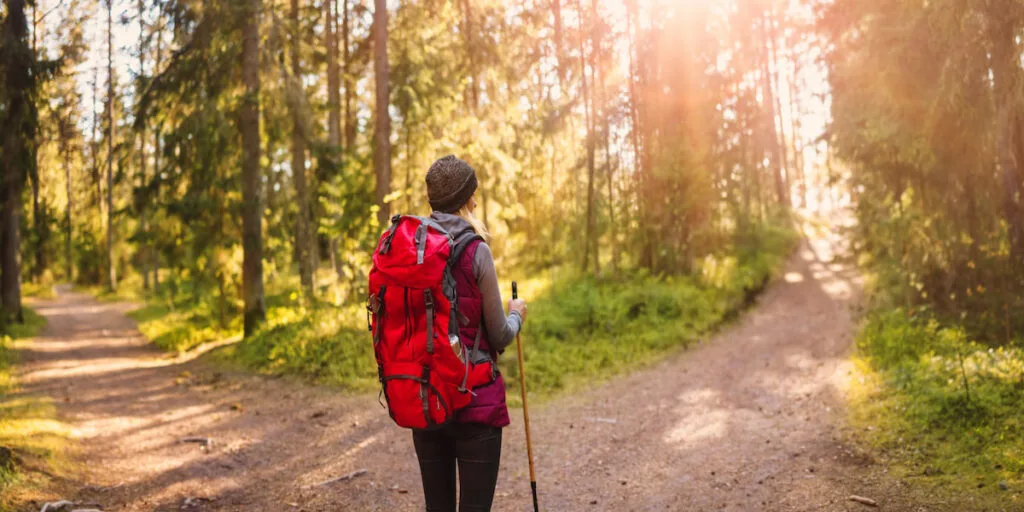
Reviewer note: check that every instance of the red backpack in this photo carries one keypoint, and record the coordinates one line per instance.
(426, 374)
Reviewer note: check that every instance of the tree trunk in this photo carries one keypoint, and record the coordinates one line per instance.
(39, 254)
(94, 146)
(350, 113)
(769, 111)
(154, 253)
(588, 240)
(641, 158)
(334, 97)
(65, 152)
(1005, 65)
(249, 126)
(302, 234)
(143, 220)
(407, 192)
(382, 130)
(777, 95)
(333, 78)
(17, 140)
(111, 266)
(39, 260)
(556, 7)
(473, 98)
(795, 125)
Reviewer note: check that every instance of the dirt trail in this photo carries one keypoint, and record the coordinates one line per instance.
(747, 421)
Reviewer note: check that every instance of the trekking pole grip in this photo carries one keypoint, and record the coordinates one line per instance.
(515, 290)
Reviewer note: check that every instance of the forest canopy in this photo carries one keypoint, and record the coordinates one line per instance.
(208, 147)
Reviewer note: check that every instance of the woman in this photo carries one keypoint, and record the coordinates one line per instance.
(473, 441)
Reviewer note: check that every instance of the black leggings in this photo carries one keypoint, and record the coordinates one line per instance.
(477, 448)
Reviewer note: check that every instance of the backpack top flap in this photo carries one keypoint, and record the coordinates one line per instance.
(413, 252)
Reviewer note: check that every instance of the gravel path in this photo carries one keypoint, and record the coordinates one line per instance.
(749, 420)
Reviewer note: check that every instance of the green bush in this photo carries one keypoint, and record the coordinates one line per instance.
(585, 327)
(945, 407)
(580, 327)
(321, 343)
(27, 423)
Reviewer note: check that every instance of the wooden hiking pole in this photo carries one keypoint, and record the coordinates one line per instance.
(526, 410)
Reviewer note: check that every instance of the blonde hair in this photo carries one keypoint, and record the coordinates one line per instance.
(478, 225)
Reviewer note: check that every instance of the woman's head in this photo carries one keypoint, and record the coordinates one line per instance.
(451, 185)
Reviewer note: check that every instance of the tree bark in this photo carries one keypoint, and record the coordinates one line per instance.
(769, 109)
(252, 210)
(556, 7)
(1005, 72)
(111, 267)
(777, 95)
(795, 125)
(41, 231)
(154, 253)
(94, 146)
(302, 234)
(65, 134)
(143, 220)
(17, 140)
(382, 129)
(333, 78)
(350, 113)
(473, 98)
(334, 97)
(38, 252)
(588, 241)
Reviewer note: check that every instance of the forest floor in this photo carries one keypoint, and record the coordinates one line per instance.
(751, 419)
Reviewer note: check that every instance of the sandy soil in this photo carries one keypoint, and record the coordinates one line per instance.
(749, 420)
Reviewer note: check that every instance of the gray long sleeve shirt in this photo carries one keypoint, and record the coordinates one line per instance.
(501, 329)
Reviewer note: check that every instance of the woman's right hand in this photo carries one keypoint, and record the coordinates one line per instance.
(519, 306)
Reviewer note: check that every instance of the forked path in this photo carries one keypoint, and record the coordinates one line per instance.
(749, 420)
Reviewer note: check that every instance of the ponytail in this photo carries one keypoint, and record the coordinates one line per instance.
(478, 225)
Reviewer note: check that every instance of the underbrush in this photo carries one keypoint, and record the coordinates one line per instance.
(946, 411)
(31, 439)
(580, 327)
(584, 328)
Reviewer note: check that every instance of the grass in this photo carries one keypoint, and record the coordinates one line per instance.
(41, 290)
(28, 428)
(583, 328)
(944, 411)
(580, 328)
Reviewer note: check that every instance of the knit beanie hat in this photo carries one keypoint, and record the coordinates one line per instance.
(450, 184)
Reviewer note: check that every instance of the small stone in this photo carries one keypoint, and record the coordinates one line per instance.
(1003, 486)
(593, 502)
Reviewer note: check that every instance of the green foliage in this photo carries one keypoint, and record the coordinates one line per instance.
(944, 408)
(914, 118)
(185, 326)
(579, 329)
(586, 328)
(27, 424)
(323, 344)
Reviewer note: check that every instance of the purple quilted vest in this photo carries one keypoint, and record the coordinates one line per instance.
(488, 404)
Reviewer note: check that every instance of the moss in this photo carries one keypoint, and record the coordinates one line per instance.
(941, 409)
(28, 426)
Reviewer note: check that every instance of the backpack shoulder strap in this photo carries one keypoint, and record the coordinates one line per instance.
(461, 244)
